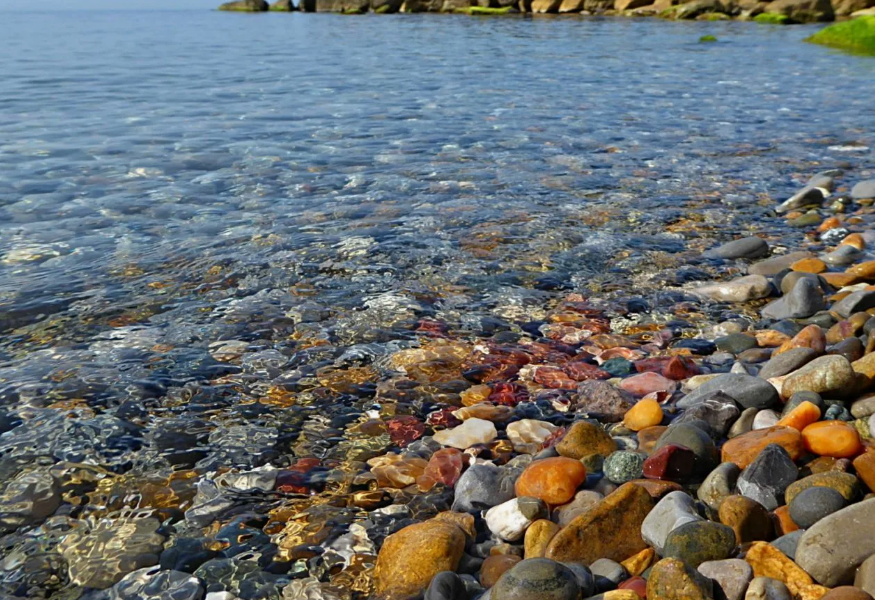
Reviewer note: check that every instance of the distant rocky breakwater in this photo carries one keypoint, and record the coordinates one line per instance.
(773, 12)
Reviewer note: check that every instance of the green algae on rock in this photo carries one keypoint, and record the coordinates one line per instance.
(706, 39)
(771, 18)
(485, 10)
(857, 35)
(245, 6)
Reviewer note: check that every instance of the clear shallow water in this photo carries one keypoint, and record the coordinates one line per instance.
(215, 229)
(172, 179)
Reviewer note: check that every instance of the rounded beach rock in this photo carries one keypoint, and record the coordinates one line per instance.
(553, 480)
(537, 579)
(836, 545)
(671, 579)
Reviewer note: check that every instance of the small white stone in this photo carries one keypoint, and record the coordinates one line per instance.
(527, 435)
(506, 521)
(469, 433)
(765, 419)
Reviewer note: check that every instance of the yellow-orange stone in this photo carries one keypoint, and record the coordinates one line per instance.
(783, 523)
(538, 537)
(829, 223)
(865, 270)
(553, 480)
(646, 413)
(855, 239)
(839, 280)
(648, 437)
(802, 416)
(768, 561)
(638, 563)
(832, 438)
(811, 336)
(769, 338)
(809, 265)
(743, 449)
(813, 592)
(865, 466)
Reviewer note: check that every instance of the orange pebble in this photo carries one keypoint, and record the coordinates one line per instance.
(832, 438)
(801, 417)
(865, 466)
(855, 240)
(809, 265)
(646, 413)
(783, 523)
(742, 450)
(553, 480)
(830, 223)
(864, 270)
(839, 280)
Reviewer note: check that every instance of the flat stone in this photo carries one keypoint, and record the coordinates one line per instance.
(830, 376)
(717, 409)
(766, 588)
(836, 545)
(746, 390)
(842, 256)
(776, 264)
(744, 424)
(584, 439)
(673, 511)
(481, 487)
(611, 529)
(671, 579)
(811, 505)
(804, 300)
(609, 569)
(865, 577)
(787, 543)
(863, 190)
(537, 579)
(863, 407)
(601, 400)
(854, 302)
(787, 362)
(743, 289)
(788, 281)
(744, 449)
(748, 519)
(844, 483)
(736, 343)
(700, 541)
(732, 575)
(766, 478)
(768, 561)
(749, 247)
(807, 196)
(718, 485)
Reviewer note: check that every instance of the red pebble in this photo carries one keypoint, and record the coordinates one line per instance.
(405, 429)
(679, 368)
(581, 371)
(508, 394)
(445, 466)
(636, 584)
(443, 418)
(554, 378)
(671, 463)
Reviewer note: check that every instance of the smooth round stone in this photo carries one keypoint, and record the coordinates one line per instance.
(736, 343)
(446, 585)
(718, 410)
(847, 592)
(747, 390)
(800, 397)
(766, 588)
(765, 480)
(787, 362)
(608, 569)
(495, 566)
(553, 480)
(787, 543)
(537, 579)
(748, 519)
(690, 436)
(863, 190)
(718, 485)
(863, 407)
(646, 413)
(700, 541)
(749, 247)
(583, 439)
(832, 438)
(765, 419)
(744, 424)
(469, 433)
(865, 576)
(623, 466)
(845, 484)
(674, 510)
(671, 579)
(538, 537)
(744, 449)
(732, 575)
(830, 375)
(582, 502)
(481, 487)
(813, 504)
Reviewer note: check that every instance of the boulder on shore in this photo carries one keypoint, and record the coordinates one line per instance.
(803, 11)
(283, 6)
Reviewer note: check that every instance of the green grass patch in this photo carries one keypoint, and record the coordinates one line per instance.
(383, 9)
(484, 10)
(712, 17)
(772, 18)
(856, 35)
(705, 39)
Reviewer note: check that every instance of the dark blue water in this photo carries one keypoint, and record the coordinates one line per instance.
(202, 210)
